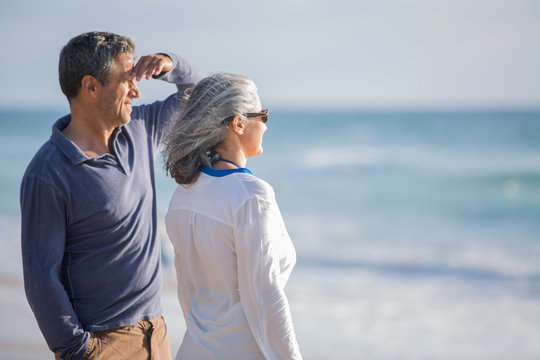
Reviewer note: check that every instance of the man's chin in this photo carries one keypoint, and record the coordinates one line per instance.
(127, 116)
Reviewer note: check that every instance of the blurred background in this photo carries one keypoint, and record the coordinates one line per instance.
(403, 145)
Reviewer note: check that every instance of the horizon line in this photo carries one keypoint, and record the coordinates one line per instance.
(306, 108)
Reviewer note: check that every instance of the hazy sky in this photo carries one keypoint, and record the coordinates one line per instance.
(336, 53)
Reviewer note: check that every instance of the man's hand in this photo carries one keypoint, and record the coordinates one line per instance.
(151, 65)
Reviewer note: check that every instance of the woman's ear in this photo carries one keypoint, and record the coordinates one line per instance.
(237, 125)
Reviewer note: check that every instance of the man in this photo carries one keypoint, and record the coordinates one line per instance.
(91, 258)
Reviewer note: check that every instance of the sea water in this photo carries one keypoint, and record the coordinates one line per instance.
(417, 233)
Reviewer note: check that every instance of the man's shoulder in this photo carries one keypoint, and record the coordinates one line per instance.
(46, 160)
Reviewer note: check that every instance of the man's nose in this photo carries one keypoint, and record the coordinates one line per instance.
(133, 89)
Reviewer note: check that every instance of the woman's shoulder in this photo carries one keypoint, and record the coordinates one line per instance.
(255, 187)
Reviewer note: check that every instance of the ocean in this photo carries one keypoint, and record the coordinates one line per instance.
(417, 232)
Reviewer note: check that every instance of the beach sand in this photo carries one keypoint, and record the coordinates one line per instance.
(390, 322)
(20, 337)
(344, 314)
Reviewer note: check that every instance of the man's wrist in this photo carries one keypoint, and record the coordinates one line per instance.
(164, 72)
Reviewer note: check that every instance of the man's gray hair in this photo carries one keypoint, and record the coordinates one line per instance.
(200, 127)
(91, 53)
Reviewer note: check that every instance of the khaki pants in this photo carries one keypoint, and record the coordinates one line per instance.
(146, 340)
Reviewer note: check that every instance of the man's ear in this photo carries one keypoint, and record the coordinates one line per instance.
(89, 85)
(237, 125)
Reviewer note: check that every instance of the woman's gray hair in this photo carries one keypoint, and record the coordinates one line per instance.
(200, 126)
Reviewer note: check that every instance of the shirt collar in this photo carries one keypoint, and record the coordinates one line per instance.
(68, 147)
(220, 173)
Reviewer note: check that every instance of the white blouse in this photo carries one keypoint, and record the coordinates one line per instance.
(233, 257)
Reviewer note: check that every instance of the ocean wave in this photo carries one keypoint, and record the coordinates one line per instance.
(418, 269)
(446, 161)
(351, 244)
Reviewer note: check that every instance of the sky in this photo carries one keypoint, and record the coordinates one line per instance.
(338, 54)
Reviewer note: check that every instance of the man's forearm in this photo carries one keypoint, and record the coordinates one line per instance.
(43, 241)
(182, 73)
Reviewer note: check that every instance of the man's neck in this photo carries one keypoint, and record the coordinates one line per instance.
(91, 136)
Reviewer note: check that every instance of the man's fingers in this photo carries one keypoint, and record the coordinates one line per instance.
(159, 68)
(150, 65)
(152, 68)
(140, 69)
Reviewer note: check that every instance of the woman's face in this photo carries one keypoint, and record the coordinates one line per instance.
(253, 134)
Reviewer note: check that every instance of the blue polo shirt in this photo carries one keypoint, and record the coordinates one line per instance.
(91, 257)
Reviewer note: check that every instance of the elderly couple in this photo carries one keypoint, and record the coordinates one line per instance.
(91, 258)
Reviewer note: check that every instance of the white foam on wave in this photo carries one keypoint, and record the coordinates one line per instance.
(350, 243)
(362, 315)
(446, 161)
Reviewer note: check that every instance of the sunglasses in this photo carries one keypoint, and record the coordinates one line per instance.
(263, 114)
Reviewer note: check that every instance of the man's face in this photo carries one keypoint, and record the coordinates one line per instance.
(117, 96)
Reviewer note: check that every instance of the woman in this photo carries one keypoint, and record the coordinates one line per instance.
(233, 255)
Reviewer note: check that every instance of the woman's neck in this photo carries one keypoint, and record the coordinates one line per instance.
(234, 159)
